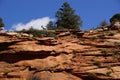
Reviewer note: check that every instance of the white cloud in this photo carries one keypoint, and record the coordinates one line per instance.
(35, 23)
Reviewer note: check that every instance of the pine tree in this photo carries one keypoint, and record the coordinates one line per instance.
(67, 19)
(115, 17)
(1, 23)
(50, 26)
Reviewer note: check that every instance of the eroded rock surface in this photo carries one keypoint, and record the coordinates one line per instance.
(94, 56)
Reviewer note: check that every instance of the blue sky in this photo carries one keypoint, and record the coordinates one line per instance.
(19, 14)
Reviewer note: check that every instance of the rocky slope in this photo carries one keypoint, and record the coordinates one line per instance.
(94, 56)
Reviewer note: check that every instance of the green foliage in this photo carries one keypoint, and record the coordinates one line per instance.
(50, 25)
(1, 23)
(6, 72)
(97, 63)
(64, 63)
(35, 32)
(115, 17)
(92, 76)
(39, 33)
(108, 73)
(67, 19)
(55, 66)
(104, 51)
(93, 38)
(116, 55)
(111, 34)
(74, 53)
(92, 59)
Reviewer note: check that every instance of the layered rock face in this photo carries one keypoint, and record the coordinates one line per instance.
(94, 56)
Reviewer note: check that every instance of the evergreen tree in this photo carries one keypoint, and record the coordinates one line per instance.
(50, 26)
(115, 17)
(67, 19)
(1, 23)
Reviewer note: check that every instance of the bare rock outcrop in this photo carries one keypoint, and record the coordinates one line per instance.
(88, 57)
(115, 25)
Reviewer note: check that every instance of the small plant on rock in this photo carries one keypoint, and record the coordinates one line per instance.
(93, 38)
(108, 73)
(74, 53)
(97, 63)
(104, 52)
(116, 55)
(64, 63)
(83, 39)
(55, 66)
(111, 34)
(92, 76)
(109, 67)
(92, 59)
(117, 45)
(6, 72)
